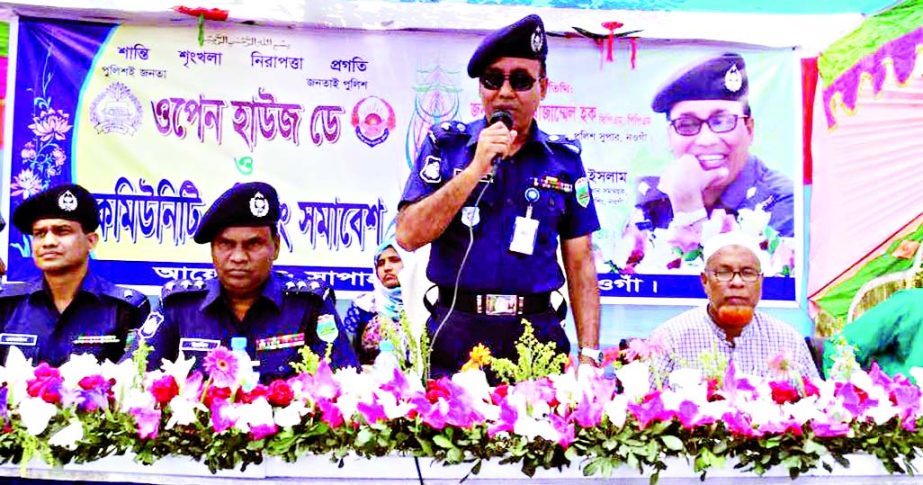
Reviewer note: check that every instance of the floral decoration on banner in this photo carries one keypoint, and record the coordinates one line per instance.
(84, 411)
(43, 156)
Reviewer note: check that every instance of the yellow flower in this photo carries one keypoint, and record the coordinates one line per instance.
(479, 356)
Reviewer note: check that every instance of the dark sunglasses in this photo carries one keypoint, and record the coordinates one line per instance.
(718, 123)
(520, 80)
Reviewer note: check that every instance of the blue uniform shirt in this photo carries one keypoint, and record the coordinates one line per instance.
(755, 184)
(196, 318)
(549, 164)
(98, 320)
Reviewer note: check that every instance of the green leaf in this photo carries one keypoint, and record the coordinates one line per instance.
(672, 442)
(443, 442)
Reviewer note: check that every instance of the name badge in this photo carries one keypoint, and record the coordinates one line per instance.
(18, 339)
(524, 233)
(96, 339)
(280, 342)
(198, 344)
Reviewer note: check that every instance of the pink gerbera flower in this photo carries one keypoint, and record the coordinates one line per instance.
(221, 366)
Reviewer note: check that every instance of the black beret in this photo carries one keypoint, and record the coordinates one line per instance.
(723, 77)
(524, 39)
(252, 204)
(69, 202)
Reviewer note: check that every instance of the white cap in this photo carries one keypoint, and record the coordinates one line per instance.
(736, 238)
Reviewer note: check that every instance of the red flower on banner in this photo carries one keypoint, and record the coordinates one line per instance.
(208, 13)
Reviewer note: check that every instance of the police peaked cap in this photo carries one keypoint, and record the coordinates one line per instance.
(253, 204)
(69, 202)
(524, 39)
(723, 78)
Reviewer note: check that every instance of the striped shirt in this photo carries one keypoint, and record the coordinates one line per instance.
(693, 333)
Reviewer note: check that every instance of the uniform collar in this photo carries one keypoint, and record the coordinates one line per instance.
(735, 193)
(535, 135)
(272, 291)
(91, 285)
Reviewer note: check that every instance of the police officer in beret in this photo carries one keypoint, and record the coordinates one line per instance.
(68, 310)
(277, 315)
(710, 130)
(494, 197)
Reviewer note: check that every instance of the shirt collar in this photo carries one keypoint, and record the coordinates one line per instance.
(272, 291)
(720, 333)
(735, 193)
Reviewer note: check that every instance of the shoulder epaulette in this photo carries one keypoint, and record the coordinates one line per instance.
(132, 297)
(447, 130)
(313, 287)
(8, 290)
(177, 287)
(569, 142)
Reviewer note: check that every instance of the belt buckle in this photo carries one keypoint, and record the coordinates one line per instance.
(502, 305)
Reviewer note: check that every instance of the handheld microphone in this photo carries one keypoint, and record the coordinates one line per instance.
(504, 117)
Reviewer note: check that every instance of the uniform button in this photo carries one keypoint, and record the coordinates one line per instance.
(553, 138)
(281, 368)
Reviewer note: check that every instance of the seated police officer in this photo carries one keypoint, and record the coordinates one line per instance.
(277, 315)
(68, 310)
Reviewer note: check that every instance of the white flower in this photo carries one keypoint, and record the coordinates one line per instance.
(883, 412)
(474, 382)
(290, 415)
(256, 413)
(183, 411)
(804, 410)
(77, 367)
(35, 414)
(531, 428)
(16, 373)
(68, 436)
(617, 410)
(753, 222)
(179, 368)
(917, 374)
(124, 374)
(688, 383)
(635, 378)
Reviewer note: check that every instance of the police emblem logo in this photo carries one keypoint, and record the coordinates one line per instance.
(116, 110)
(582, 190)
(259, 207)
(733, 79)
(537, 40)
(431, 172)
(373, 118)
(150, 325)
(471, 216)
(67, 201)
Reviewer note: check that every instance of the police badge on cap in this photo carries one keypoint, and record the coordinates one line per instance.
(70, 202)
(252, 204)
(524, 39)
(723, 77)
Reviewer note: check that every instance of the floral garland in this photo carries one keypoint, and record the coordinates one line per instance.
(84, 411)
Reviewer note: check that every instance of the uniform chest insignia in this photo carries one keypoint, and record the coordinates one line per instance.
(198, 344)
(327, 329)
(471, 216)
(150, 325)
(95, 339)
(18, 339)
(431, 172)
(280, 342)
(549, 182)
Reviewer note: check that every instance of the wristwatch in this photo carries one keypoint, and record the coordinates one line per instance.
(595, 354)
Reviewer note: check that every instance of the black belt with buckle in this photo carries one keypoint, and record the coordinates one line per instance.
(496, 304)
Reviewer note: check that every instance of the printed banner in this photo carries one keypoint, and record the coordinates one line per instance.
(156, 126)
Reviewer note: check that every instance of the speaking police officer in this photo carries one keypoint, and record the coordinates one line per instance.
(277, 315)
(494, 197)
(68, 310)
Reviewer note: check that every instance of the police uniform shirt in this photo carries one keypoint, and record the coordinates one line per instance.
(196, 318)
(98, 320)
(755, 185)
(549, 164)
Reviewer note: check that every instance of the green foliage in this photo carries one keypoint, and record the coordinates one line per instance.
(308, 363)
(536, 359)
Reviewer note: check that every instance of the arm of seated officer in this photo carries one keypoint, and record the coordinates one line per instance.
(583, 287)
(421, 222)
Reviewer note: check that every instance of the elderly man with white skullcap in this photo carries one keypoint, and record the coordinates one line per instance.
(730, 324)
